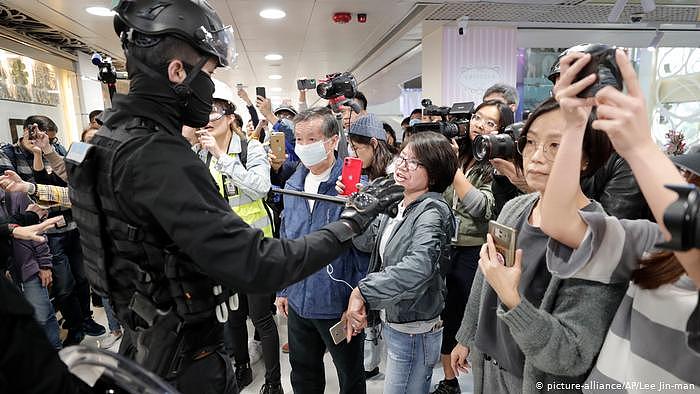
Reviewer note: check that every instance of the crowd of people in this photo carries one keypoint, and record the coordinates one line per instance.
(179, 201)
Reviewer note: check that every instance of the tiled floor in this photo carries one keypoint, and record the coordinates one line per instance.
(374, 385)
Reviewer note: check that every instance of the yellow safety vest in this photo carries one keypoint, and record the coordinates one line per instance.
(251, 211)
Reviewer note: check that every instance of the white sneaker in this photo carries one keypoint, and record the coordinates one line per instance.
(254, 351)
(109, 340)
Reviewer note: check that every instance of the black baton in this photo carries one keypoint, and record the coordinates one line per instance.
(312, 196)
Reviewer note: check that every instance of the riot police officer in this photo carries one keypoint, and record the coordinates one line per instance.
(157, 236)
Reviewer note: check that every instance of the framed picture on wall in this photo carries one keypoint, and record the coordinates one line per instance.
(16, 129)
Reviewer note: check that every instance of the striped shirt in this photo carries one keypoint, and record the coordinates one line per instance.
(646, 347)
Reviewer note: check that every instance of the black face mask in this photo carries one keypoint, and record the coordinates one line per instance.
(195, 94)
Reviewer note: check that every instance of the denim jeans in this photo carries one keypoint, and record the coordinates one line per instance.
(38, 296)
(111, 319)
(70, 287)
(410, 361)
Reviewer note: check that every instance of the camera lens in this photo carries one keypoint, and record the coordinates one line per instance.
(482, 148)
(487, 147)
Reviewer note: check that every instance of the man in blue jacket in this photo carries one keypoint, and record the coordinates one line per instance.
(317, 303)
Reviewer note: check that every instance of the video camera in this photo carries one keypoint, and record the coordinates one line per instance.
(456, 127)
(681, 218)
(337, 86)
(107, 73)
(497, 146)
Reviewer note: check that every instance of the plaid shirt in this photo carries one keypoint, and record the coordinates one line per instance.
(55, 194)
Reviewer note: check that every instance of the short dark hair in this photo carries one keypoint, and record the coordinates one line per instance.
(330, 126)
(94, 114)
(435, 154)
(406, 121)
(505, 118)
(509, 93)
(359, 96)
(389, 130)
(239, 120)
(417, 111)
(165, 49)
(597, 147)
(44, 122)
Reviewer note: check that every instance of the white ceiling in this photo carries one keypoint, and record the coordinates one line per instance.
(312, 45)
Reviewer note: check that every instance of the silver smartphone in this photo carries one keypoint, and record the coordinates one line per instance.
(505, 239)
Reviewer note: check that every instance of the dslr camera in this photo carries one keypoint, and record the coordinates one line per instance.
(456, 127)
(681, 218)
(337, 86)
(497, 146)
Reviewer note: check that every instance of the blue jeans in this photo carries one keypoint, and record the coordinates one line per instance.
(111, 319)
(38, 296)
(410, 361)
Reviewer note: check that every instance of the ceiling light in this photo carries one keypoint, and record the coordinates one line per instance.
(275, 89)
(100, 11)
(275, 76)
(273, 56)
(272, 13)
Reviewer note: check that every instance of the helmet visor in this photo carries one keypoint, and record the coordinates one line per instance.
(222, 44)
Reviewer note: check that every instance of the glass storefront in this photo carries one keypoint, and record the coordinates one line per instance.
(30, 87)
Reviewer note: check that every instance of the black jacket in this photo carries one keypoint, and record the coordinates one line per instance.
(163, 183)
(616, 189)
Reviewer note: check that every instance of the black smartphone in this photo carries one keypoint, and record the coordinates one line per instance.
(306, 84)
(602, 64)
(32, 131)
(260, 91)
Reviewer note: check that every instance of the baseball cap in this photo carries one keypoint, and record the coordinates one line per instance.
(288, 108)
(368, 126)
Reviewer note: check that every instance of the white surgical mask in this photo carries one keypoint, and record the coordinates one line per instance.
(413, 122)
(311, 154)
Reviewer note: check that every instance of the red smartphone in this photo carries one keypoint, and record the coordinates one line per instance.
(352, 170)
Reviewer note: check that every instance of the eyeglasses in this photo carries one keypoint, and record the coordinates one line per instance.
(217, 113)
(411, 164)
(528, 147)
(486, 122)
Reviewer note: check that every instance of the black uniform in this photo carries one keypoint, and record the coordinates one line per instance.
(166, 238)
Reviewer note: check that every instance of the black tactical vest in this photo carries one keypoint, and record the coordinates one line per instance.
(146, 277)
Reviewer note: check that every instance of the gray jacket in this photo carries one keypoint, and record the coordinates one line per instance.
(561, 338)
(408, 283)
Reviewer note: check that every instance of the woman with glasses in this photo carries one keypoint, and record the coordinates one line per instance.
(472, 186)
(525, 330)
(404, 285)
(648, 341)
(242, 173)
(367, 140)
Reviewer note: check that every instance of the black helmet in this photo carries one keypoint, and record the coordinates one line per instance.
(555, 69)
(193, 21)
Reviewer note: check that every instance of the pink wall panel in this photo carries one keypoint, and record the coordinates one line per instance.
(473, 62)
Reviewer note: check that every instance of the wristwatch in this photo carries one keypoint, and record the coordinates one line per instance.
(11, 227)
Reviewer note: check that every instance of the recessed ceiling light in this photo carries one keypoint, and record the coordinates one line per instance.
(273, 56)
(275, 89)
(272, 13)
(275, 76)
(100, 11)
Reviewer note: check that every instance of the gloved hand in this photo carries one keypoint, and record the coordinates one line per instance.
(382, 195)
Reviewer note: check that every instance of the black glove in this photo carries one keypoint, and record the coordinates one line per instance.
(382, 195)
